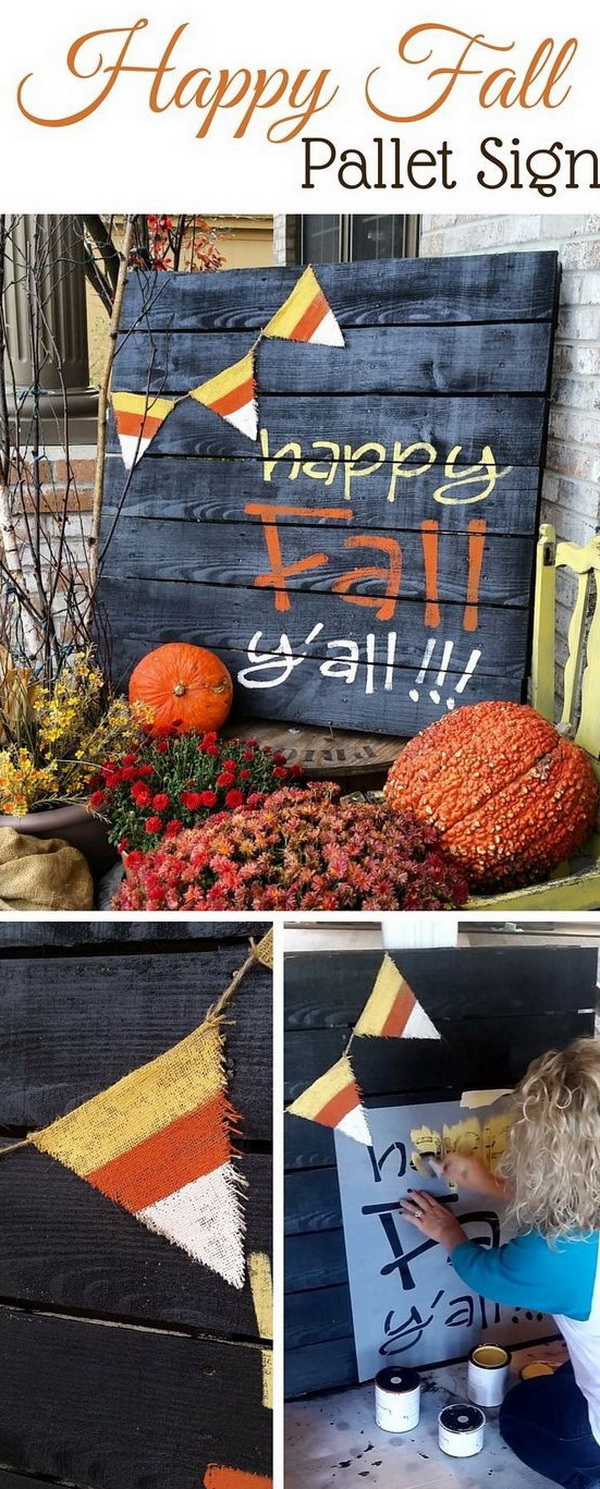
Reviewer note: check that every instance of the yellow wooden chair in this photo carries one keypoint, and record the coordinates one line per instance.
(574, 885)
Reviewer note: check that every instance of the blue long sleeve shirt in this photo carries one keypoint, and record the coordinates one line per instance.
(562, 1278)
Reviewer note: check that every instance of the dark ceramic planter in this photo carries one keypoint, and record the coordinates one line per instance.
(73, 825)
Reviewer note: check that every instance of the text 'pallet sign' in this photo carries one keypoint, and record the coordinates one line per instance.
(367, 560)
(409, 1306)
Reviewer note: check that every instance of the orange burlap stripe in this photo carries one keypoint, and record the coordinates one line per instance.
(237, 398)
(140, 424)
(192, 1145)
(400, 1012)
(311, 319)
(339, 1106)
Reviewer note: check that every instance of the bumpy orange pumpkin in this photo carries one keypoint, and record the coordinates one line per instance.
(510, 796)
(186, 687)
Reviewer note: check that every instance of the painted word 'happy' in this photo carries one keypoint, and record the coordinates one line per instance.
(330, 459)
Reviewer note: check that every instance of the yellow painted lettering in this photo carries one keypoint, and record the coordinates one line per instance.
(400, 468)
(485, 474)
(292, 448)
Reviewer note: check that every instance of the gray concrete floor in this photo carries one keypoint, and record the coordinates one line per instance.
(332, 1440)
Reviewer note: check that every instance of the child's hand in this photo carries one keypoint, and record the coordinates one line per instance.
(463, 1169)
(432, 1219)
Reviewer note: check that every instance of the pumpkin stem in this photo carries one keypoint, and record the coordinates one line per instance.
(179, 689)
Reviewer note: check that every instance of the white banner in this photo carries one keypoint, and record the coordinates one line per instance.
(272, 108)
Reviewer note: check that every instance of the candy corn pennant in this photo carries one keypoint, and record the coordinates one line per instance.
(159, 1143)
(306, 315)
(334, 1100)
(392, 1009)
(232, 394)
(138, 417)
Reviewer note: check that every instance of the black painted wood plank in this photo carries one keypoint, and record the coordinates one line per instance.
(173, 488)
(96, 1259)
(10, 1480)
(318, 1317)
(314, 1261)
(307, 1144)
(156, 551)
(320, 1367)
(72, 1029)
(312, 1202)
(304, 702)
(226, 620)
(487, 287)
(102, 936)
(114, 1407)
(365, 703)
(512, 427)
(308, 1055)
(388, 359)
(471, 1053)
(325, 990)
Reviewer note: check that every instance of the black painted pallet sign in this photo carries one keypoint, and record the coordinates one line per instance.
(496, 1010)
(123, 1363)
(367, 563)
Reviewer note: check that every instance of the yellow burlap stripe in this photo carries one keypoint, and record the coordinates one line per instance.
(225, 382)
(143, 404)
(379, 1005)
(140, 1104)
(286, 318)
(264, 951)
(316, 1097)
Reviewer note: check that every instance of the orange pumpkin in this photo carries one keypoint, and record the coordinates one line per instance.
(510, 796)
(187, 688)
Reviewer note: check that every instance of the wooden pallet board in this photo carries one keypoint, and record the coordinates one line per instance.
(117, 1407)
(404, 467)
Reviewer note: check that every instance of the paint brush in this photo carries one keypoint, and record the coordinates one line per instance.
(434, 1164)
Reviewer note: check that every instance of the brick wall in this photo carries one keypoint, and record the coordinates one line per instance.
(55, 473)
(571, 488)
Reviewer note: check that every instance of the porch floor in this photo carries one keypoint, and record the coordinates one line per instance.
(332, 1439)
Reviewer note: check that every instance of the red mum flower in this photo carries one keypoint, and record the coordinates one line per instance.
(153, 824)
(208, 799)
(234, 799)
(225, 779)
(173, 827)
(191, 799)
(141, 794)
(161, 801)
(97, 799)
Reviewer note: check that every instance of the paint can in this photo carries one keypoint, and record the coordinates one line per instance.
(460, 1430)
(535, 1368)
(487, 1374)
(397, 1399)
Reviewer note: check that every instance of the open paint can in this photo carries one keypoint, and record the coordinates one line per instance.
(487, 1374)
(460, 1430)
(397, 1399)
